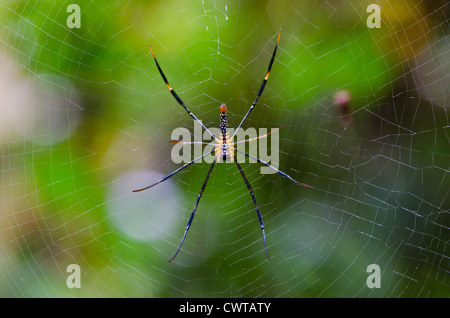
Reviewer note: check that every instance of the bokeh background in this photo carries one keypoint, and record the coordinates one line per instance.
(85, 118)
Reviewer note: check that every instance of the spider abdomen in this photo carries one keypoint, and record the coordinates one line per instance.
(225, 151)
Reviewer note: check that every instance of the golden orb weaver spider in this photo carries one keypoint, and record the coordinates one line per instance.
(223, 150)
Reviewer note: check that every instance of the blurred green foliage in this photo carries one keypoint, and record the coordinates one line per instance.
(363, 209)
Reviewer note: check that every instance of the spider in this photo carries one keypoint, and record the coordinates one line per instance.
(224, 151)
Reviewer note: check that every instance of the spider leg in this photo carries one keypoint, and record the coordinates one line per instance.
(276, 170)
(174, 172)
(189, 142)
(256, 138)
(178, 99)
(188, 225)
(263, 84)
(260, 220)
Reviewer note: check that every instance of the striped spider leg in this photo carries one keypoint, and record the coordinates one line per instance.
(224, 150)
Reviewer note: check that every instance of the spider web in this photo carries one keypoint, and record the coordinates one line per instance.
(85, 119)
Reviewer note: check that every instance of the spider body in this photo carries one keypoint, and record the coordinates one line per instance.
(224, 150)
